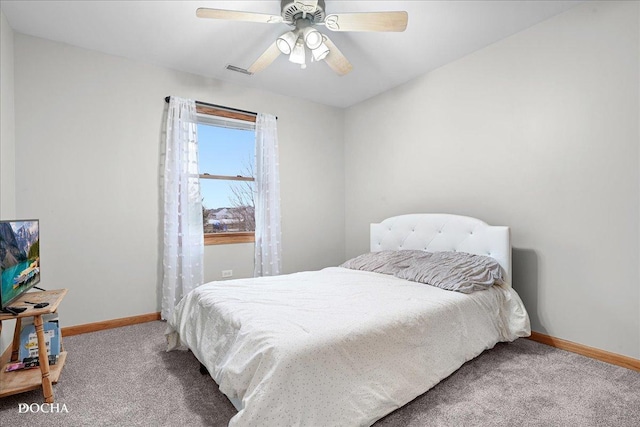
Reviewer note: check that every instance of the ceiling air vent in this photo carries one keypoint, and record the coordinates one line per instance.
(238, 70)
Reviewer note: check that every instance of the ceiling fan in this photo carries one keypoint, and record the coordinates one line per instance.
(303, 16)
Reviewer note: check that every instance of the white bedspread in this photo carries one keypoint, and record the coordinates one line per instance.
(337, 347)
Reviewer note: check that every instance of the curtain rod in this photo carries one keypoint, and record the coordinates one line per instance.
(206, 104)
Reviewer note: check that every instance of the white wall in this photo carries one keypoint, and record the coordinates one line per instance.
(88, 141)
(7, 122)
(539, 132)
(7, 141)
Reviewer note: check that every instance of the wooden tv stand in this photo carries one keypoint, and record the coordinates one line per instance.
(30, 379)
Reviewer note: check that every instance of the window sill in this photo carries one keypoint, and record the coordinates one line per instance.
(229, 238)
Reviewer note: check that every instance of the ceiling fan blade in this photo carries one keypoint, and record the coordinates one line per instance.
(335, 59)
(265, 59)
(368, 21)
(235, 15)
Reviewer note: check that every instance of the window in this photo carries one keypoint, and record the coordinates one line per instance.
(226, 162)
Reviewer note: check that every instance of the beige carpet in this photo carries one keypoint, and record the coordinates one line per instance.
(123, 377)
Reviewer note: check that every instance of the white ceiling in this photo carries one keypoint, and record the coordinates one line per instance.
(168, 34)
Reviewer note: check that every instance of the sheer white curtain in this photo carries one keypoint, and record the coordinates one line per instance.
(183, 235)
(268, 260)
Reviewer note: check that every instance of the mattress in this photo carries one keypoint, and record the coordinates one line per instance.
(337, 347)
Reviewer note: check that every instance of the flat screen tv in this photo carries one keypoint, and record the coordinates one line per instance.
(19, 258)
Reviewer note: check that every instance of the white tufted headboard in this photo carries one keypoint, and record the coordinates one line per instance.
(443, 232)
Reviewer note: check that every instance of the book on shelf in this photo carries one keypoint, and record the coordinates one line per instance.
(29, 363)
(29, 339)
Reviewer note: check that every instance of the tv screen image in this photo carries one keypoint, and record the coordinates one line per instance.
(19, 258)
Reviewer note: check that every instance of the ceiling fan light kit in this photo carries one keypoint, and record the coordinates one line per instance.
(293, 43)
(312, 38)
(303, 16)
(287, 42)
(298, 55)
(320, 52)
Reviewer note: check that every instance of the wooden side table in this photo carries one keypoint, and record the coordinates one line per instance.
(30, 379)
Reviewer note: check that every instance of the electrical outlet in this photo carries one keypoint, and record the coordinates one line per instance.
(227, 273)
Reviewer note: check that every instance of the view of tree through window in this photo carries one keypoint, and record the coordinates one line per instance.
(226, 158)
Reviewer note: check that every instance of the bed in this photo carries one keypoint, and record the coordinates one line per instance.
(343, 346)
